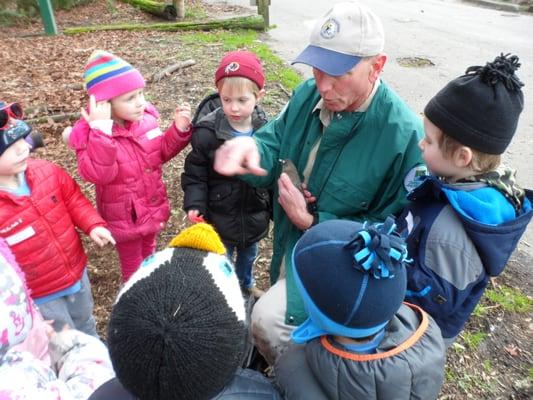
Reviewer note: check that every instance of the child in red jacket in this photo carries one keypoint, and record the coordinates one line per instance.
(121, 149)
(40, 208)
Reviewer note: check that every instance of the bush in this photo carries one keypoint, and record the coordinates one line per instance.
(30, 8)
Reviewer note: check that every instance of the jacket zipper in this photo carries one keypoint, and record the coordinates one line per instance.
(243, 198)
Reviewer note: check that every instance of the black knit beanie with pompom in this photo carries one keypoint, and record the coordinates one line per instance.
(481, 108)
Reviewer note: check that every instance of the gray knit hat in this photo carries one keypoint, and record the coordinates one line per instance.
(177, 329)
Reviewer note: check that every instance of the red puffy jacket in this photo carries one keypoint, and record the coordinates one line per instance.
(126, 168)
(41, 231)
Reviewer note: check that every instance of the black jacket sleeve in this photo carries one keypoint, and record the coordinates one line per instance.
(196, 172)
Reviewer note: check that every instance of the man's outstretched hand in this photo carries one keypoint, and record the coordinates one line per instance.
(238, 156)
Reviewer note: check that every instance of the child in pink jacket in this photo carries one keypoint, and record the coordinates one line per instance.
(121, 149)
(35, 361)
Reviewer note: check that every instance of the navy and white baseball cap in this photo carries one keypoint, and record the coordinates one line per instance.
(347, 33)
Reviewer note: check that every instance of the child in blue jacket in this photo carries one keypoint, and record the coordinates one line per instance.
(465, 220)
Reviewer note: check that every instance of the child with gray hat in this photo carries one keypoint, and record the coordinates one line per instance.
(466, 219)
(360, 341)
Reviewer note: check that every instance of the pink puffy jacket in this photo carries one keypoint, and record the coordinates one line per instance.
(126, 170)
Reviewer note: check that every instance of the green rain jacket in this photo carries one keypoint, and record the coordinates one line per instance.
(363, 166)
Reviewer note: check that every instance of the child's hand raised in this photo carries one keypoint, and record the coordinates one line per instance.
(97, 111)
(182, 117)
(101, 236)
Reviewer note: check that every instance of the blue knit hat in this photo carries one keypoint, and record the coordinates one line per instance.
(351, 278)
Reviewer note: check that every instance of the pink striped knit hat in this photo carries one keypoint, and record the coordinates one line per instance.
(107, 76)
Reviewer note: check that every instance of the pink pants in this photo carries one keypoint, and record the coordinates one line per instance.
(133, 252)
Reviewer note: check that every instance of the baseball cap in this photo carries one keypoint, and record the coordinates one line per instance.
(347, 33)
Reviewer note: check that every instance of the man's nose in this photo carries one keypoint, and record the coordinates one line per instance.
(324, 84)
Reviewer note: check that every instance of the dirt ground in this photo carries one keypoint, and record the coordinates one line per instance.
(44, 73)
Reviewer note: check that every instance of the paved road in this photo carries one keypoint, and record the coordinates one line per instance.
(452, 34)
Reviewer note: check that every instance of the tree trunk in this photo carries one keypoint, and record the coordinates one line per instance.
(180, 8)
(157, 8)
(262, 9)
(255, 22)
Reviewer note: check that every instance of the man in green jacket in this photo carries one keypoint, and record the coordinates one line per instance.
(353, 142)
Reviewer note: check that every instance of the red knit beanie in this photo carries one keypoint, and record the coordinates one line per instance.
(241, 63)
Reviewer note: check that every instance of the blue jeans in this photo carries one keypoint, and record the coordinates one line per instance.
(244, 262)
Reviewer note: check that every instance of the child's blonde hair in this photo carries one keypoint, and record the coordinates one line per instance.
(240, 84)
(481, 162)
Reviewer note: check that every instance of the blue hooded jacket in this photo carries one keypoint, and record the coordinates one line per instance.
(459, 235)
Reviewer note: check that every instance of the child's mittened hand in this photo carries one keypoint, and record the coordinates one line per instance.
(97, 111)
(182, 117)
(101, 236)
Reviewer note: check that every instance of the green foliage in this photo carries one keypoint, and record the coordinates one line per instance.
(480, 310)
(487, 366)
(467, 382)
(530, 373)
(111, 6)
(9, 17)
(510, 299)
(473, 339)
(30, 8)
(275, 67)
(195, 11)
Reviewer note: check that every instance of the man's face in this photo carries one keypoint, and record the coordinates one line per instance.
(349, 91)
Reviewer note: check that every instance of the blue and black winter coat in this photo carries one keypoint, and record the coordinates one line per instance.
(459, 235)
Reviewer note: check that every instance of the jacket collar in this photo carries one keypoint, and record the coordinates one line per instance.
(217, 121)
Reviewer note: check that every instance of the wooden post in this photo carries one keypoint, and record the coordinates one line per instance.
(47, 14)
(180, 8)
(262, 9)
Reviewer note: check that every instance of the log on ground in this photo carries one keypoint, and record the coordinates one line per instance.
(254, 22)
(157, 8)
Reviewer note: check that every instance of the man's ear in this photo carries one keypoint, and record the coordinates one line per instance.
(378, 63)
(462, 157)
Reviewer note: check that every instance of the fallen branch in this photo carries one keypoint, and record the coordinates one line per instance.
(157, 8)
(55, 118)
(255, 22)
(287, 93)
(156, 77)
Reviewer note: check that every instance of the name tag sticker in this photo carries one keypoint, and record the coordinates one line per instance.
(153, 133)
(20, 236)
